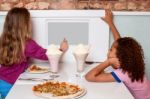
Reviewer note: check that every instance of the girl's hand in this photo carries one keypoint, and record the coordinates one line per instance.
(108, 18)
(114, 62)
(64, 45)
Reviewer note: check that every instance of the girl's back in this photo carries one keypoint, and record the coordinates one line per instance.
(11, 72)
(140, 90)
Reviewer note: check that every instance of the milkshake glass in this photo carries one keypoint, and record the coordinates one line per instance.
(80, 60)
(54, 55)
(80, 54)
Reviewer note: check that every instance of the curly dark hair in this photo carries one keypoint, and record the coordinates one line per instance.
(131, 57)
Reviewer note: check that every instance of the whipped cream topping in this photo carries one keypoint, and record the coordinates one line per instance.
(81, 49)
(53, 49)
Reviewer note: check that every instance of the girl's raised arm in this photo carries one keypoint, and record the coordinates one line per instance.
(108, 18)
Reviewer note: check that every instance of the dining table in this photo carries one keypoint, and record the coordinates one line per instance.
(22, 89)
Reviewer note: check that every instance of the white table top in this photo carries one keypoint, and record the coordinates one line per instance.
(23, 89)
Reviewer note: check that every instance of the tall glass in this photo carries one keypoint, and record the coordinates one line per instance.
(80, 60)
(54, 64)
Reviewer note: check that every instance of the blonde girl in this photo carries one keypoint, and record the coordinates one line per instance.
(17, 46)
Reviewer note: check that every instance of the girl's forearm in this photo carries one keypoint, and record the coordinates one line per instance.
(115, 32)
(97, 70)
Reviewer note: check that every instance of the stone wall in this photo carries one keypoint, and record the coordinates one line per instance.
(118, 5)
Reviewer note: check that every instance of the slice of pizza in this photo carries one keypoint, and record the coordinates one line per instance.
(58, 90)
(37, 69)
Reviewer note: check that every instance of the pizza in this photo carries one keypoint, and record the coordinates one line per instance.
(58, 90)
(37, 69)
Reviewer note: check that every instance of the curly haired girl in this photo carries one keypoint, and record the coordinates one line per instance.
(127, 58)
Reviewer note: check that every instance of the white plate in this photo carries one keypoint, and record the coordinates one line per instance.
(81, 95)
(49, 95)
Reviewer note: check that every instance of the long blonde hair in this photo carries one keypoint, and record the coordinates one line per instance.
(16, 32)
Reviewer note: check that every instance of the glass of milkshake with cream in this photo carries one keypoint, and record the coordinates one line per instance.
(54, 54)
(80, 54)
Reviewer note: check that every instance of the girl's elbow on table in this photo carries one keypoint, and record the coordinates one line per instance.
(90, 78)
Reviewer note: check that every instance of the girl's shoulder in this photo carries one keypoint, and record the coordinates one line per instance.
(124, 76)
(121, 74)
(118, 71)
(31, 45)
(30, 42)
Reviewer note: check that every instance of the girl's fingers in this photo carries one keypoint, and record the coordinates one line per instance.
(103, 18)
(65, 40)
(108, 12)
